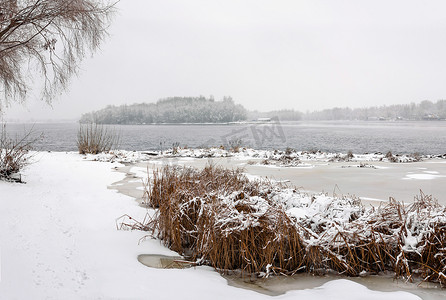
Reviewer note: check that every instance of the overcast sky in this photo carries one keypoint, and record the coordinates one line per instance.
(266, 55)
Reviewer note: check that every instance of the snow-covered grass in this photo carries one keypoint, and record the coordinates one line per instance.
(58, 240)
(14, 154)
(286, 158)
(292, 157)
(219, 217)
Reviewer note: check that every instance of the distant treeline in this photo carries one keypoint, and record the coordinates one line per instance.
(170, 110)
(207, 110)
(426, 110)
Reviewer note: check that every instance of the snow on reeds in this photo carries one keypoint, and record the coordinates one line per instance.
(287, 158)
(291, 157)
(218, 217)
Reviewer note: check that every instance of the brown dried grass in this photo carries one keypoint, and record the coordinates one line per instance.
(15, 153)
(194, 220)
(96, 138)
(220, 218)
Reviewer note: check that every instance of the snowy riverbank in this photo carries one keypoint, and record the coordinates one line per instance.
(59, 241)
(372, 177)
(284, 158)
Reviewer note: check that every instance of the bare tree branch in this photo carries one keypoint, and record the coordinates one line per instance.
(47, 37)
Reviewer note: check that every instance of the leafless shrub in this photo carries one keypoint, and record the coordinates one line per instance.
(175, 148)
(50, 38)
(391, 157)
(289, 151)
(265, 162)
(416, 156)
(14, 153)
(94, 138)
(235, 145)
(350, 155)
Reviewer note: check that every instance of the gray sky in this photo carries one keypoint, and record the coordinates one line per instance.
(306, 55)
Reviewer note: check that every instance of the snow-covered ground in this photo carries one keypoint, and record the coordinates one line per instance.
(58, 240)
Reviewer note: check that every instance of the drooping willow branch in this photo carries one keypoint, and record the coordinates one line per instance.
(46, 40)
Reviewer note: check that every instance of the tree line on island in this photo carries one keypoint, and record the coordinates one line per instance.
(208, 110)
(425, 110)
(171, 110)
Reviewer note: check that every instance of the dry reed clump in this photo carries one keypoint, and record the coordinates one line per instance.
(220, 218)
(287, 158)
(14, 153)
(94, 138)
(248, 234)
(407, 240)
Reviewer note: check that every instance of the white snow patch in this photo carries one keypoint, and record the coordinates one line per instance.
(423, 176)
(140, 172)
(431, 172)
(297, 212)
(373, 199)
(251, 177)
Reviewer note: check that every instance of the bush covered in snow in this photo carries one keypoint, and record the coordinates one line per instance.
(14, 153)
(218, 217)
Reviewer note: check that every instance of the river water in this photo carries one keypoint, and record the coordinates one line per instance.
(341, 136)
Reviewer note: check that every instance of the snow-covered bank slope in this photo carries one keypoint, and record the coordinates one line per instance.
(58, 240)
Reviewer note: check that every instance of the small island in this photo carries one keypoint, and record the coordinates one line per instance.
(171, 110)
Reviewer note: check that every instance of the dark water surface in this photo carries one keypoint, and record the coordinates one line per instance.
(342, 136)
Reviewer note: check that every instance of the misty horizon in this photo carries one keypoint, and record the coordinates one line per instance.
(251, 113)
(267, 55)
